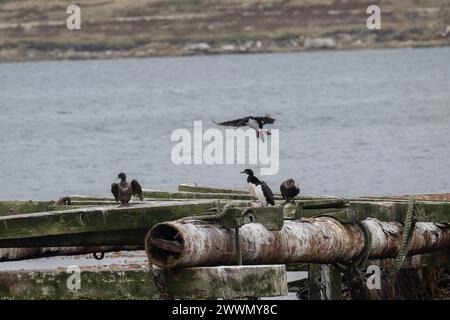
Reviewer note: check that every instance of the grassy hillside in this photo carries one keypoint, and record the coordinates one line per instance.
(33, 29)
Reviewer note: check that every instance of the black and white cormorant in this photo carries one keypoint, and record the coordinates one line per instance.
(256, 123)
(289, 190)
(259, 189)
(123, 191)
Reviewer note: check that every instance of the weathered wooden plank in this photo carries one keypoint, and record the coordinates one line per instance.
(93, 202)
(195, 195)
(8, 208)
(89, 198)
(419, 197)
(125, 235)
(14, 207)
(227, 282)
(343, 215)
(189, 187)
(13, 254)
(119, 283)
(323, 203)
(120, 238)
(157, 194)
(437, 211)
(63, 207)
(137, 283)
(271, 217)
(136, 216)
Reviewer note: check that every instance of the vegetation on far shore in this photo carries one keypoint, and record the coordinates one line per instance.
(34, 30)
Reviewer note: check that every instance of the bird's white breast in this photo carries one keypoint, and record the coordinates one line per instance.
(251, 189)
(252, 123)
(260, 195)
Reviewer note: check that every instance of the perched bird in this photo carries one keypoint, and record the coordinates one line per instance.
(123, 191)
(289, 190)
(259, 189)
(67, 201)
(256, 123)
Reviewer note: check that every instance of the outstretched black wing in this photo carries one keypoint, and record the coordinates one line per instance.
(267, 193)
(136, 189)
(267, 119)
(234, 123)
(115, 191)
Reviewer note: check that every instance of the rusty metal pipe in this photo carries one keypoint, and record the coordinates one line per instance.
(319, 240)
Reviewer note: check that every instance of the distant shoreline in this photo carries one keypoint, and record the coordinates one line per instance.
(58, 55)
(36, 31)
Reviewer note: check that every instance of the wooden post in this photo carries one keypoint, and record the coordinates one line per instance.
(238, 247)
(324, 282)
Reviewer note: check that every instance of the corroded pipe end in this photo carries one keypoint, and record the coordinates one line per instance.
(164, 244)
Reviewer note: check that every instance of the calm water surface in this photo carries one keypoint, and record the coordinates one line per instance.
(351, 123)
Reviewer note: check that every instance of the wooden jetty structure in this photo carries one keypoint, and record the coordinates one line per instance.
(208, 243)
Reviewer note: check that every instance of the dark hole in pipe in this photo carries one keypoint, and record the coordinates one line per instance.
(169, 233)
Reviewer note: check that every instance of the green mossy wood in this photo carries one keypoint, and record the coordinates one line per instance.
(227, 282)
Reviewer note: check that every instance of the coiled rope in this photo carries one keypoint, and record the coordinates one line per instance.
(211, 217)
(408, 231)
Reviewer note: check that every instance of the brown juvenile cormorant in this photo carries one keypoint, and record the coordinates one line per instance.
(123, 191)
(289, 190)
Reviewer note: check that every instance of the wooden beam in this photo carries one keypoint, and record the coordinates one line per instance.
(157, 194)
(436, 211)
(136, 216)
(89, 198)
(271, 217)
(119, 283)
(14, 254)
(15, 207)
(195, 195)
(118, 238)
(225, 282)
(123, 282)
(189, 187)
